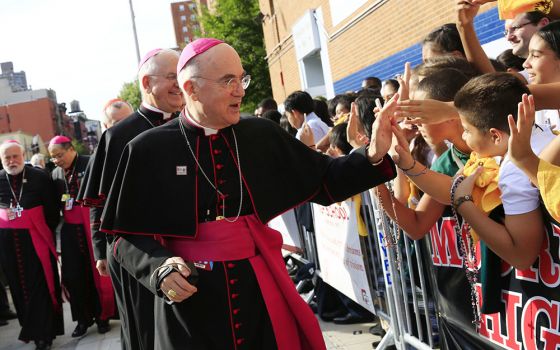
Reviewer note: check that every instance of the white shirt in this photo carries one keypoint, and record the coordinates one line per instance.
(519, 196)
(154, 109)
(318, 127)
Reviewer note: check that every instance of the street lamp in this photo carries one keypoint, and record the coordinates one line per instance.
(134, 31)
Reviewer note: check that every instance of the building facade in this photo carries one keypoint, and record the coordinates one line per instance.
(327, 47)
(17, 80)
(185, 21)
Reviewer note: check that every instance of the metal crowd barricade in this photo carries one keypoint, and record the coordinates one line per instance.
(411, 317)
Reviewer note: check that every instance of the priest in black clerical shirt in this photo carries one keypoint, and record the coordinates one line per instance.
(161, 98)
(215, 266)
(28, 217)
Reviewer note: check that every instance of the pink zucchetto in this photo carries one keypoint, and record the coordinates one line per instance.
(57, 140)
(147, 56)
(11, 141)
(194, 49)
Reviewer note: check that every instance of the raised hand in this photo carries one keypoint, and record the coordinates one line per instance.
(381, 132)
(306, 135)
(520, 133)
(466, 11)
(404, 82)
(426, 111)
(354, 133)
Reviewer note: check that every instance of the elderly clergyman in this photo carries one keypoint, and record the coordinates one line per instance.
(218, 180)
(28, 217)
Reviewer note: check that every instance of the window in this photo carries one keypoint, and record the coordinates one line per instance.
(187, 40)
(183, 18)
(192, 7)
(181, 8)
(185, 29)
(193, 18)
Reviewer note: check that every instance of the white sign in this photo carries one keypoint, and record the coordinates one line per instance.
(287, 225)
(340, 254)
(306, 35)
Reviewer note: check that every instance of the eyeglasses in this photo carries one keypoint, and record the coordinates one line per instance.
(170, 76)
(514, 28)
(231, 84)
(58, 156)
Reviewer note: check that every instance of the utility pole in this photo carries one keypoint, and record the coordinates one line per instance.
(134, 31)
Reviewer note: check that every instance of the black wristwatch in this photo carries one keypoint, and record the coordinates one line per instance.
(462, 200)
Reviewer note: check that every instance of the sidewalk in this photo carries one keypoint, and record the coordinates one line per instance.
(337, 337)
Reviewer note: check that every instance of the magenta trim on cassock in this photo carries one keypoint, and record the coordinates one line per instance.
(294, 324)
(80, 216)
(33, 220)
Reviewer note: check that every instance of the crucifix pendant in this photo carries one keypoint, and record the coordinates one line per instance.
(18, 209)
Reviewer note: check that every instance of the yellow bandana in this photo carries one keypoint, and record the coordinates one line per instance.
(549, 186)
(508, 9)
(486, 194)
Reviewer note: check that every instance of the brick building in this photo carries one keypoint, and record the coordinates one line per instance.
(327, 47)
(185, 21)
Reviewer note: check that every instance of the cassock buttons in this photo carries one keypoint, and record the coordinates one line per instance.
(214, 137)
(219, 166)
(234, 296)
(236, 311)
(240, 341)
(221, 181)
(230, 265)
(233, 281)
(238, 325)
(217, 151)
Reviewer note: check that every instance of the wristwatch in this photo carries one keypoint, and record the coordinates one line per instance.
(462, 200)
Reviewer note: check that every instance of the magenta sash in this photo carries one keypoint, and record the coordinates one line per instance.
(80, 216)
(42, 237)
(295, 327)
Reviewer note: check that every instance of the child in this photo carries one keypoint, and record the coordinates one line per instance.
(484, 105)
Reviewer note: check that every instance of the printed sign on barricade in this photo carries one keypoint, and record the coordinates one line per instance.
(287, 225)
(530, 299)
(340, 253)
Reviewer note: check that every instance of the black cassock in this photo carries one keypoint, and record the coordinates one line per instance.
(38, 316)
(76, 270)
(134, 302)
(160, 191)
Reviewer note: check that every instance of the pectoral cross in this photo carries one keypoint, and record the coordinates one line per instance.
(18, 209)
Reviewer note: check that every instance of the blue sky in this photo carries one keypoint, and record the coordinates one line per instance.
(84, 50)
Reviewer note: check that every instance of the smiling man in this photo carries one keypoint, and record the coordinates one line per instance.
(161, 98)
(518, 31)
(219, 180)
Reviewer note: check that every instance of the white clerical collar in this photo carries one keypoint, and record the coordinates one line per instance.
(207, 131)
(166, 115)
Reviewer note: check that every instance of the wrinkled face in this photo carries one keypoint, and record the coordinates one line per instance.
(542, 64)
(161, 85)
(217, 88)
(12, 160)
(477, 140)
(519, 32)
(62, 157)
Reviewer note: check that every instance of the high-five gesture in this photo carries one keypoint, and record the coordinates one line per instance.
(381, 131)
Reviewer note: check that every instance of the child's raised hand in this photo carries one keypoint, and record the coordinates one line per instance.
(400, 149)
(520, 131)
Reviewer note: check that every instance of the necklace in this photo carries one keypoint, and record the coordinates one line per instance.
(18, 209)
(467, 250)
(391, 237)
(223, 217)
(146, 118)
(69, 182)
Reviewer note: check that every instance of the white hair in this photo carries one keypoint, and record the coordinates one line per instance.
(7, 145)
(191, 69)
(38, 159)
(151, 66)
